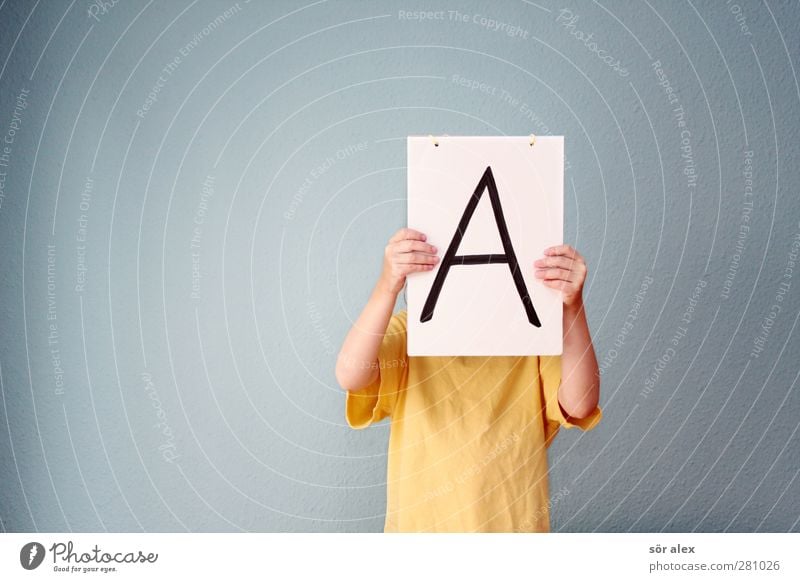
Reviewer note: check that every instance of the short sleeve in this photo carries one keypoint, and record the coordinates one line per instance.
(550, 377)
(377, 401)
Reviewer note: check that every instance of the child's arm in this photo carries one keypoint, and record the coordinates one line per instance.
(564, 268)
(407, 252)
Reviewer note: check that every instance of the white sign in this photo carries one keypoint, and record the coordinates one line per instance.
(491, 205)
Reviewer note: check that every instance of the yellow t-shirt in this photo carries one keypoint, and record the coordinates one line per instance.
(469, 437)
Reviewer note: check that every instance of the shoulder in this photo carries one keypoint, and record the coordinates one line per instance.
(396, 328)
(394, 341)
(401, 318)
(397, 325)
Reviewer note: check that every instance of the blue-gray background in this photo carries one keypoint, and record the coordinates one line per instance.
(176, 280)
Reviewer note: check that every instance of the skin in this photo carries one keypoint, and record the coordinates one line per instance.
(561, 267)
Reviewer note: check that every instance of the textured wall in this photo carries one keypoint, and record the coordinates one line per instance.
(177, 272)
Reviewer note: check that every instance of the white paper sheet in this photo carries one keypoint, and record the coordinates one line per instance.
(479, 310)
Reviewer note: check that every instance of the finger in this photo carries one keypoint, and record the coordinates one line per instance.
(416, 259)
(558, 261)
(560, 285)
(561, 250)
(554, 274)
(412, 268)
(406, 246)
(407, 233)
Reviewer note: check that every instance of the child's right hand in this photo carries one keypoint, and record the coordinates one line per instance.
(407, 252)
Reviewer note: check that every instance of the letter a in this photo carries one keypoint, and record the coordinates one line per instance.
(450, 258)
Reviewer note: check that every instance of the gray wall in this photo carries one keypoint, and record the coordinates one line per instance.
(159, 374)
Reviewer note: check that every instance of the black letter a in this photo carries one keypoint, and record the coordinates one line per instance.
(450, 257)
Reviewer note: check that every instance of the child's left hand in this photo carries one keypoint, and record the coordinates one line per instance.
(563, 268)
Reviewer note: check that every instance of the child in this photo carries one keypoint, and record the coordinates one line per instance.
(469, 435)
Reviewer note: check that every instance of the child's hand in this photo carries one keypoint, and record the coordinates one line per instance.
(407, 252)
(563, 268)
